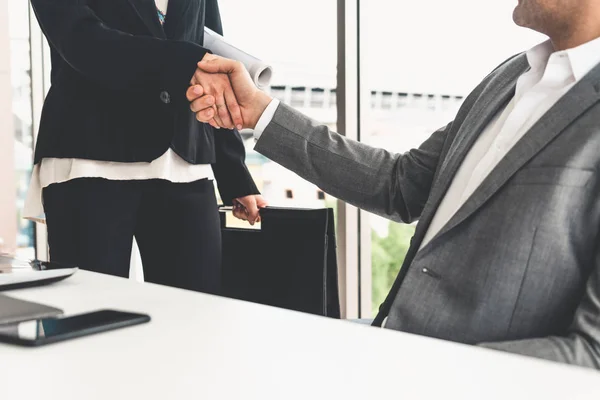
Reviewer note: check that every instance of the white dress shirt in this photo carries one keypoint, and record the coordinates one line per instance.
(169, 166)
(551, 75)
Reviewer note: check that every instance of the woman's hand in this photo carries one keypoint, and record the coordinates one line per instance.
(226, 111)
(248, 208)
(251, 102)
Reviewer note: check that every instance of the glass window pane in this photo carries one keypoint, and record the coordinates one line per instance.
(305, 67)
(419, 67)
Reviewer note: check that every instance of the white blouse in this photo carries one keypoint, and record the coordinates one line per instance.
(168, 167)
(162, 5)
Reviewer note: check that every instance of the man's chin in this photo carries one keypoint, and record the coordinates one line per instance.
(518, 17)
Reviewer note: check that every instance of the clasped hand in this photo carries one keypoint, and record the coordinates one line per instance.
(223, 94)
(218, 96)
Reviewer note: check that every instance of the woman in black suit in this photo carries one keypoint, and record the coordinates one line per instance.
(119, 152)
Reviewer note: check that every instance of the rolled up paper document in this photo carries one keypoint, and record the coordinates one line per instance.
(260, 71)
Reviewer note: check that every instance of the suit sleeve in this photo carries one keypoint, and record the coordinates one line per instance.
(393, 185)
(580, 345)
(115, 58)
(232, 174)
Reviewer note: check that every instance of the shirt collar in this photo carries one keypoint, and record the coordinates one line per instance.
(581, 58)
(584, 58)
(538, 56)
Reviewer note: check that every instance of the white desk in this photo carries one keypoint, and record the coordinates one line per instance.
(203, 347)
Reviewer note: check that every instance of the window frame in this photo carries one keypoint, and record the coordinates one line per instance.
(40, 84)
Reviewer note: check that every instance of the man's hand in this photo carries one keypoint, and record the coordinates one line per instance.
(226, 112)
(251, 102)
(247, 208)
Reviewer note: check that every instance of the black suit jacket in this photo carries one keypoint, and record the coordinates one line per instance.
(119, 80)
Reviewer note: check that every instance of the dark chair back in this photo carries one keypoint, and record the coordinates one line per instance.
(289, 263)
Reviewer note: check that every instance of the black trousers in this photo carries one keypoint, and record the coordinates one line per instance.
(92, 222)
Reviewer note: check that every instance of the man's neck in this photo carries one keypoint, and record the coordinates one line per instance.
(580, 34)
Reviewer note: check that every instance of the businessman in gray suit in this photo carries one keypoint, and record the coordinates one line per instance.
(506, 254)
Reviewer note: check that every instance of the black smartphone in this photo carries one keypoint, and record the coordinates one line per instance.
(51, 330)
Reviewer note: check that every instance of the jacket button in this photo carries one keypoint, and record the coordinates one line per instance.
(165, 97)
(429, 272)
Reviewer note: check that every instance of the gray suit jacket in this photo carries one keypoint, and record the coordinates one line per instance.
(517, 268)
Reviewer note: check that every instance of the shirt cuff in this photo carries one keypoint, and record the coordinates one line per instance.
(265, 118)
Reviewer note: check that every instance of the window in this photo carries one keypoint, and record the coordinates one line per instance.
(16, 234)
(429, 92)
(317, 98)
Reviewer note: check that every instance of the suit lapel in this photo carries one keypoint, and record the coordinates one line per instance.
(491, 100)
(177, 12)
(579, 99)
(146, 10)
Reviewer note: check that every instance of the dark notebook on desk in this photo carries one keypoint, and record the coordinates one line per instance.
(14, 310)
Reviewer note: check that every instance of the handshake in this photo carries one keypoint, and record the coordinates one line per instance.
(223, 94)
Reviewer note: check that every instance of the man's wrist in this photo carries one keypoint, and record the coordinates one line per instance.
(260, 105)
(265, 119)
